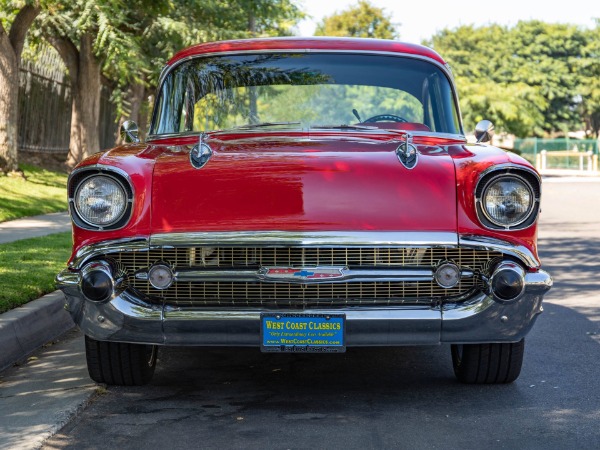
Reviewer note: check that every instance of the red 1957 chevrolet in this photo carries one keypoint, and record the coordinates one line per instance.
(305, 195)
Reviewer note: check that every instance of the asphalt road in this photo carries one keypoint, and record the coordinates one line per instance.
(384, 398)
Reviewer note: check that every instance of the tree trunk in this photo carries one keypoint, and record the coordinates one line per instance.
(135, 98)
(85, 115)
(145, 110)
(11, 47)
(9, 105)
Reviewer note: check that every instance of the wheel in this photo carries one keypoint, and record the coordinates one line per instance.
(119, 363)
(385, 118)
(488, 363)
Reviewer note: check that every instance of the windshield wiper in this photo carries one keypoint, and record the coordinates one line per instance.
(250, 126)
(343, 127)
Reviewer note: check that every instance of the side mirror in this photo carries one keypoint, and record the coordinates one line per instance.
(130, 131)
(484, 131)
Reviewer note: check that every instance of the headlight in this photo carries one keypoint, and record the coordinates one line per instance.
(507, 201)
(100, 200)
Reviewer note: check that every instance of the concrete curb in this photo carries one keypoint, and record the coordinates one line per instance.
(25, 329)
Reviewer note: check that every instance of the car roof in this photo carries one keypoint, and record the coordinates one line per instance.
(311, 43)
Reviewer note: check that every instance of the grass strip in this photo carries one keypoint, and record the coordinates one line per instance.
(43, 192)
(28, 268)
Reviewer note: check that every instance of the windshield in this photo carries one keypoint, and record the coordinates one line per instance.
(305, 90)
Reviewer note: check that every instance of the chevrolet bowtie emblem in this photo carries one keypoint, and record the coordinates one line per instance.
(293, 274)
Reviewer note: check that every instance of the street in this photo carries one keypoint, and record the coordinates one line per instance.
(384, 397)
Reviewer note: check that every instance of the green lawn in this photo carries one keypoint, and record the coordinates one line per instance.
(28, 268)
(43, 192)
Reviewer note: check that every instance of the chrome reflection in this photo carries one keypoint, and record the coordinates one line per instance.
(201, 153)
(407, 153)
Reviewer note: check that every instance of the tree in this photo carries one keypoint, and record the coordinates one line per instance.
(590, 81)
(98, 40)
(11, 46)
(125, 45)
(523, 78)
(362, 20)
(189, 22)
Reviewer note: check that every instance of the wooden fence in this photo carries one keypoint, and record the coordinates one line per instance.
(45, 107)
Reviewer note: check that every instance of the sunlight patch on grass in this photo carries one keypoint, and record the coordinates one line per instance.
(28, 268)
(43, 192)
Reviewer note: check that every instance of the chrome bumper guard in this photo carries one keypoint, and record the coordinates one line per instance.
(479, 319)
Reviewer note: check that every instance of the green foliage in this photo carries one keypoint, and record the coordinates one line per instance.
(362, 20)
(28, 268)
(8, 11)
(116, 28)
(189, 22)
(42, 192)
(589, 70)
(529, 79)
(134, 39)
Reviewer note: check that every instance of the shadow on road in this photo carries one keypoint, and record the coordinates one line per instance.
(573, 264)
(367, 398)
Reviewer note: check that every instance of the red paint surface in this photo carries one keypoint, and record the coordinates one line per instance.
(470, 161)
(139, 167)
(315, 43)
(318, 181)
(309, 185)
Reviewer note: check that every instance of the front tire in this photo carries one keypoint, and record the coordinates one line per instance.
(488, 363)
(119, 363)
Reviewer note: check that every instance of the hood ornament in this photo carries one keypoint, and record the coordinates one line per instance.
(407, 153)
(200, 153)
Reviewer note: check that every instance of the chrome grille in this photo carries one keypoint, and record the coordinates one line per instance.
(293, 295)
(233, 257)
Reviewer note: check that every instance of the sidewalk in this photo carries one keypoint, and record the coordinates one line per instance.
(44, 393)
(42, 362)
(35, 226)
(24, 329)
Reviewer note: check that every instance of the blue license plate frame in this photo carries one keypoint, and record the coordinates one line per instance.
(302, 333)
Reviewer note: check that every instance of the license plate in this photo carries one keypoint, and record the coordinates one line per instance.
(309, 333)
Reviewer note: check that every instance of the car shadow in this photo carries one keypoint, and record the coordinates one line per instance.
(366, 397)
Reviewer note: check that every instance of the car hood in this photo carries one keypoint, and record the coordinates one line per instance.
(303, 184)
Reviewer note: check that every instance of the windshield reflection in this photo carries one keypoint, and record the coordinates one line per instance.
(303, 91)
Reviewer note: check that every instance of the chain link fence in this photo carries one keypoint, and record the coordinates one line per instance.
(562, 153)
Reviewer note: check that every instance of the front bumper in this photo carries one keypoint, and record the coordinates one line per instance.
(479, 319)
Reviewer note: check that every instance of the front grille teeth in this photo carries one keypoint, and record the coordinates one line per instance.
(295, 295)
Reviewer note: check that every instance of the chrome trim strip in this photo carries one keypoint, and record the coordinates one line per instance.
(346, 276)
(107, 247)
(539, 282)
(491, 244)
(168, 69)
(312, 135)
(67, 278)
(508, 167)
(331, 239)
(307, 239)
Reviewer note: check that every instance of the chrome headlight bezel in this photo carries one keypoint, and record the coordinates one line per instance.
(80, 176)
(527, 177)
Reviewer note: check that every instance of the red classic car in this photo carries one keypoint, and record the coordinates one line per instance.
(305, 195)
